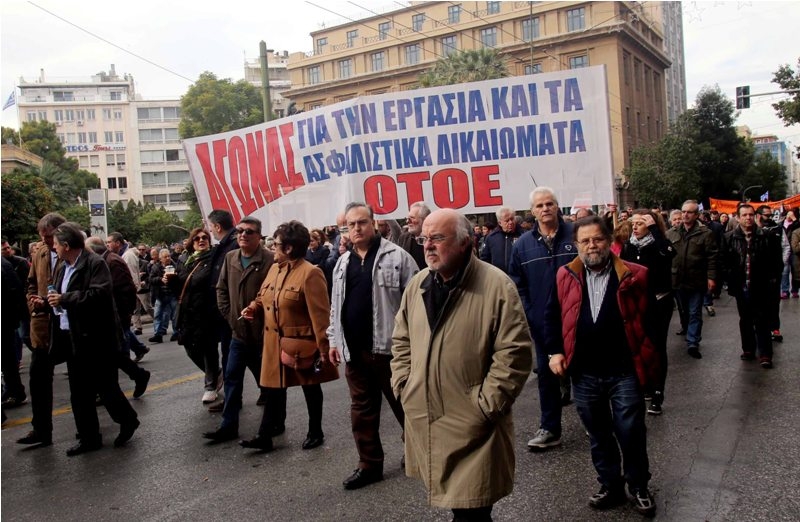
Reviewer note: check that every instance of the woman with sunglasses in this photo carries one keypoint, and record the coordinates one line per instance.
(196, 310)
(294, 302)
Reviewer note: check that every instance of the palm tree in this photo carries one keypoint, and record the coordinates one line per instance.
(465, 66)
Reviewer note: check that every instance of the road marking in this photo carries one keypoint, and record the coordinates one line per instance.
(11, 423)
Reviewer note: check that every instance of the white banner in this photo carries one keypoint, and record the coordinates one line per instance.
(472, 147)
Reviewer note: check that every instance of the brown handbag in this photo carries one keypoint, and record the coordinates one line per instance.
(298, 354)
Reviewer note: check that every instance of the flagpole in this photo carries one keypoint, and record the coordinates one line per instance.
(19, 123)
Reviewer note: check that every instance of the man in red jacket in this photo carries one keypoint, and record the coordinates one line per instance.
(595, 330)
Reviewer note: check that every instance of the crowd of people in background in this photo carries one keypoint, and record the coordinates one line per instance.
(589, 298)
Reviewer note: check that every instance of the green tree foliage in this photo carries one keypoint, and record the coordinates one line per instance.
(10, 136)
(464, 66)
(211, 106)
(766, 171)
(25, 199)
(78, 214)
(40, 138)
(160, 226)
(788, 110)
(664, 174)
(193, 218)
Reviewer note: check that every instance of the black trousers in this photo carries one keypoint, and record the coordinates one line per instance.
(91, 374)
(10, 366)
(275, 410)
(43, 363)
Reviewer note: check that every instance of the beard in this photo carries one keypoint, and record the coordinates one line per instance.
(595, 260)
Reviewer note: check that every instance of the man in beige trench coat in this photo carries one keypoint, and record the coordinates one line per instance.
(462, 353)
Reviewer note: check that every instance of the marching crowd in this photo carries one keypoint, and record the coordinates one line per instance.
(443, 318)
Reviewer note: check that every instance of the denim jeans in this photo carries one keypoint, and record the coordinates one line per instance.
(692, 302)
(549, 395)
(612, 410)
(164, 313)
(240, 358)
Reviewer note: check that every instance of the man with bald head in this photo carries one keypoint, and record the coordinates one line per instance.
(461, 327)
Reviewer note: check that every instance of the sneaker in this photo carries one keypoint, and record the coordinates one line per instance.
(777, 336)
(15, 402)
(711, 311)
(747, 356)
(543, 439)
(644, 502)
(765, 362)
(607, 498)
(795, 295)
(209, 396)
(655, 405)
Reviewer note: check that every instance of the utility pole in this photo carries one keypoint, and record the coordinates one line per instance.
(265, 80)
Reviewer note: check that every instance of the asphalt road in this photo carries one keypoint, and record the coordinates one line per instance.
(726, 448)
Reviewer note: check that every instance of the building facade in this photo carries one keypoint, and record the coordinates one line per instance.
(783, 154)
(130, 144)
(388, 51)
(279, 81)
(14, 157)
(670, 16)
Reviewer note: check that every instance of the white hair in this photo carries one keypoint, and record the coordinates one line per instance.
(503, 210)
(543, 190)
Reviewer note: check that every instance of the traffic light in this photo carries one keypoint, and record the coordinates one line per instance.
(743, 97)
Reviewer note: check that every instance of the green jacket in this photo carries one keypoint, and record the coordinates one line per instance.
(696, 259)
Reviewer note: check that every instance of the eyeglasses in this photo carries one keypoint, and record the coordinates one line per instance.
(593, 240)
(344, 230)
(200, 238)
(245, 231)
(438, 238)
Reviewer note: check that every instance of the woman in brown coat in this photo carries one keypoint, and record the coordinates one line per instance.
(294, 301)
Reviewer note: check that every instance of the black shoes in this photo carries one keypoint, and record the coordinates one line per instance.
(173, 337)
(655, 404)
(144, 350)
(608, 498)
(260, 443)
(34, 438)
(313, 441)
(138, 331)
(84, 447)
(125, 433)
(157, 338)
(278, 430)
(361, 478)
(141, 384)
(222, 434)
(15, 402)
(694, 351)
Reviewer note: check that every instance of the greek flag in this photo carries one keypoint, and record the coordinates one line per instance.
(765, 196)
(12, 99)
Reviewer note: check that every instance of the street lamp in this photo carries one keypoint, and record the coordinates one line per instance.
(744, 192)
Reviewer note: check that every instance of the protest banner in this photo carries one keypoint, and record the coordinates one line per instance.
(472, 147)
(729, 206)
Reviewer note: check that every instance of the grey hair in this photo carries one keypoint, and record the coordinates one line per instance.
(543, 190)
(463, 229)
(162, 251)
(423, 212)
(96, 244)
(503, 210)
(357, 204)
(674, 211)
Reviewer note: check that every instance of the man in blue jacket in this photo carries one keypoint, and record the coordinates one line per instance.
(535, 259)
(498, 245)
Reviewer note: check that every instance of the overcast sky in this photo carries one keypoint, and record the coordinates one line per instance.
(726, 43)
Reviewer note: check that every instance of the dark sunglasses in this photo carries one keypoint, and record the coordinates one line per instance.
(201, 238)
(245, 231)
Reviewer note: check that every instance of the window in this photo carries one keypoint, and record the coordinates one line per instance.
(63, 96)
(351, 37)
(533, 69)
(31, 115)
(151, 135)
(150, 157)
(417, 21)
(648, 86)
(90, 114)
(173, 155)
(109, 136)
(116, 95)
(345, 68)
(112, 183)
(80, 114)
(83, 162)
(179, 177)
(377, 60)
(71, 138)
(492, 7)
(61, 138)
(94, 161)
(383, 30)
(92, 137)
(42, 115)
(120, 159)
(117, 114)
(154, 179)
(148, 113)
(123, 182)
(530, 29)
(313, 75)
(106, 114)
(628, 119)
(576, 62)
(109, 160)
(657, 86)
(412, 54)
(453, 14)
(639, 123)
(171, 134)
(321, 44)
(637, 65)
(489, 37)
(156, 199)
(449, 45)
(119, 137)
(59, 114)
(626, 67)
(172, 113)
(82, 137)
(69, 115)
(576, 19)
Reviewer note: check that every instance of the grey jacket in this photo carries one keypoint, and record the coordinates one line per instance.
(392, 271)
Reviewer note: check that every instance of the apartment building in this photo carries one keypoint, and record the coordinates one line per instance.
(783, 153)
(92, 121)
(388, 51)
(279, 81)
(670, 16)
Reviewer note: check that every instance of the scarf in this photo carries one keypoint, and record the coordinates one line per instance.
(641, 243)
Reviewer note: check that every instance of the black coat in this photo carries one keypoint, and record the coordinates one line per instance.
(197, 310)
(766, 264)
(89, 304)
(656, 257)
